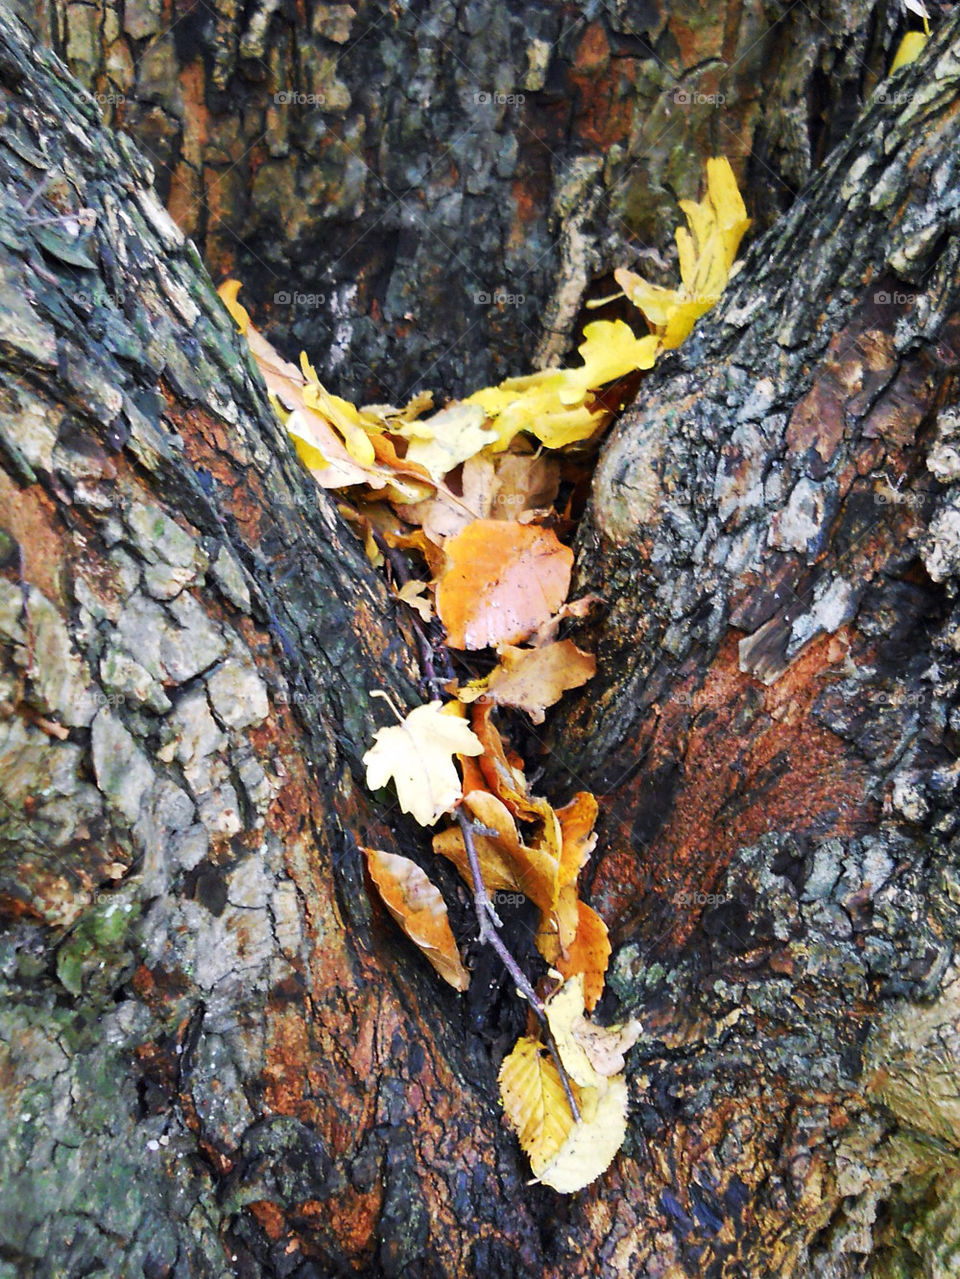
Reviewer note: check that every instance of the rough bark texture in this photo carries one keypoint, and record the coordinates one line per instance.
(218, 1057)
(422, 194)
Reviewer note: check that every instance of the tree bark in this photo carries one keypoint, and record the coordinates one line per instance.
(219, 1057)
(425, 194)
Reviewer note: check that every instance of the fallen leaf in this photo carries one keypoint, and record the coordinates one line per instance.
(228, 291)
(577, 820)
(591, 1144)
(502, 580)
(563, 1154)
(533, 1099)
(532, 679)
(585, 949)
(412, 593)
(457, 433)
(908, 50)
(417, 906)
(418, 756)
(589, 1053)
(707, 248)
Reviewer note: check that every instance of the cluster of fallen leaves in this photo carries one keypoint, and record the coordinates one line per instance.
(469, 493)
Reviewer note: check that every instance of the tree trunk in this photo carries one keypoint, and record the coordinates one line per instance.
(219, 1057)
(424, 194)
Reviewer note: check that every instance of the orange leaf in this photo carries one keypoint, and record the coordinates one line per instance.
(503, 580)
(416, 905)
(588, 953)
(576, 824)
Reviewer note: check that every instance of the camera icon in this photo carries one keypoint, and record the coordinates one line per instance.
(882, 298)
(481, 299)
(682, 96)
(282, 299)
(282, 98)
(482, 99)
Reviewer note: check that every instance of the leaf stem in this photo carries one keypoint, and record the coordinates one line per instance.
(488, 924)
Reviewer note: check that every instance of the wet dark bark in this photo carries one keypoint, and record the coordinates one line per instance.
(423, 194)
(218, 1056)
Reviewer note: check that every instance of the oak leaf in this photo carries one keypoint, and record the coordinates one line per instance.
(503, 580)
(417, 906)
(418, 755)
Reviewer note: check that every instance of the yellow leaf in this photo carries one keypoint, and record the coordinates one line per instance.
(458, 432)
(412, 593)
(589, 1053)
(591, 1144)
(418, 756)
(417, 906)
(564, 1155)
(228, 291)
(909, 48)
(610, 350)
(706, 254)
(341, 414)
(534, 1102)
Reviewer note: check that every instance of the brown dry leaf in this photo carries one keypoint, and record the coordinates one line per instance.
(524, 482)
(531, 679)
(502, 581)
(534, 869)
(547, 633)
(494, 868)
(501, 776)
(534, 1102)
(417, 906)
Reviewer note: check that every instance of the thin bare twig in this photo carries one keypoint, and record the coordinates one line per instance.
(488, 923)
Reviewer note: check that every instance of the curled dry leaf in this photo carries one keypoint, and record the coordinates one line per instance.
(417, 906)
(586, 951)
(589, 1053)
(413, 593)
(502, 581)
(531, 679)
(418, 756)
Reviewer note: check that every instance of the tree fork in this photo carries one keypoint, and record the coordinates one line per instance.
(219, 1057)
